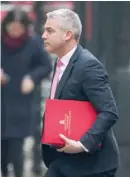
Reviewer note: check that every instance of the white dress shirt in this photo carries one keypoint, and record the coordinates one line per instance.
(65, 60)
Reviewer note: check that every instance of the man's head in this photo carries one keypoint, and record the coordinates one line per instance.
(62, 28)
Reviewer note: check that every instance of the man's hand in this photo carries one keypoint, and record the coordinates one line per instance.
(27, 85)
(71, 146)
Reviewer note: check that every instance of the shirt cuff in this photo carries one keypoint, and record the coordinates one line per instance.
(85, 149)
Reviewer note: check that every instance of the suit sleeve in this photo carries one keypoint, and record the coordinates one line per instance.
(41, 65)
(96, 87)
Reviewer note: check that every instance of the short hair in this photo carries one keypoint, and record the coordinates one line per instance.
(69, 20)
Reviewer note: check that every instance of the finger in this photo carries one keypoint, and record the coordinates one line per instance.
(64, 138)
(61, 149)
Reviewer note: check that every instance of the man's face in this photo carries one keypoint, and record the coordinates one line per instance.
(54, 37)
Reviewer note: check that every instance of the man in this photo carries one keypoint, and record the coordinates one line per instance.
(80, 77)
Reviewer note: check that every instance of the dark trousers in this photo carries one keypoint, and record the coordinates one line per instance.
(54, 171)
(106, 174)
(12, 152)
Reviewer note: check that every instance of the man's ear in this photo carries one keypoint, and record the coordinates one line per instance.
(68, 35)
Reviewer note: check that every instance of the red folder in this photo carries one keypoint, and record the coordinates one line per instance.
(67, 117)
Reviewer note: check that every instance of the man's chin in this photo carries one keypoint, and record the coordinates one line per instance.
(48, 49)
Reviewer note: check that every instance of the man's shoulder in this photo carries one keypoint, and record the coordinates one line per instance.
(86, 59)
(87, 65)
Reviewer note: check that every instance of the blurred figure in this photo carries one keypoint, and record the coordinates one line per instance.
(24, 64)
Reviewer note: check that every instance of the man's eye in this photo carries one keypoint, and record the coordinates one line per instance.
(50, 30)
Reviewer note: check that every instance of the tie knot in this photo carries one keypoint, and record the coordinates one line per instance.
(59, 63)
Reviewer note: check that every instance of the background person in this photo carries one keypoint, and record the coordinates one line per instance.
(25, 61)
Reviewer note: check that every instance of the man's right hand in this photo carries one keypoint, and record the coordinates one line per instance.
(3, 77)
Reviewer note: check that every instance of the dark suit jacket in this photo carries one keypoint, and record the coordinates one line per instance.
(85, 79)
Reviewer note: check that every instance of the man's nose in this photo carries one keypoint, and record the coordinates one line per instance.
(44, 35)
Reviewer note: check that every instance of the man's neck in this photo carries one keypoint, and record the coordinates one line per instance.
(66, 49)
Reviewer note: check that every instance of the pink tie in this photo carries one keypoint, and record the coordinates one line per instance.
(56, 78)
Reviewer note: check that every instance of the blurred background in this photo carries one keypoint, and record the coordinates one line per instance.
(106, 33)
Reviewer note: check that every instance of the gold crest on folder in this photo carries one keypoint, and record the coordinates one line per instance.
(67, 122)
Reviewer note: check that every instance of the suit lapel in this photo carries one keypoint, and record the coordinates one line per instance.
(54, 70)
(67, 72)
